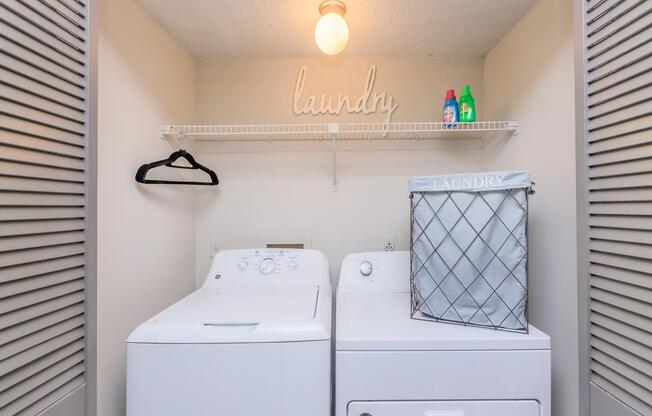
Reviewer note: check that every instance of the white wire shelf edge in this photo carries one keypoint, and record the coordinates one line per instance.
(342, 131)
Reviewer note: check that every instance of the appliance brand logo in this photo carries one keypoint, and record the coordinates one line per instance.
(460, 183)
(366, 103)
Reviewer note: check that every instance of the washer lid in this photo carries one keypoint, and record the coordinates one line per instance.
(242, 314)
(244, 304)
(381, 322)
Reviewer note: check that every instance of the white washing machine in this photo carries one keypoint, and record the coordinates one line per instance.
(253, 340)
(388, 364)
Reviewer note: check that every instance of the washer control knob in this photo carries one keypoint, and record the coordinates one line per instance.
(366, 268)
(292, 265)
(267, 266)
(243, 264)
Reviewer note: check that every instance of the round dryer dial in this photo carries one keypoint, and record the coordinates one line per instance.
(366, 268)
(267, 266)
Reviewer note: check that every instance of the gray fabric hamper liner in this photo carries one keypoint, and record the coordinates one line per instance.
(469, 248)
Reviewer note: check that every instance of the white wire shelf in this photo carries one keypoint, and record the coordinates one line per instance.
(182, 135)
(342, 131)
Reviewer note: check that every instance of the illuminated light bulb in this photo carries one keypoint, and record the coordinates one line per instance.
(331, 30)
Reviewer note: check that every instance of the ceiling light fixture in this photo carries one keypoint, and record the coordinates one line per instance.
(331, 30)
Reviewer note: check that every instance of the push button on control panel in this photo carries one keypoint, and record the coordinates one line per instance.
(243, 264)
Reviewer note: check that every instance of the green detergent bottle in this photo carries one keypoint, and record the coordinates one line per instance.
(466, 106)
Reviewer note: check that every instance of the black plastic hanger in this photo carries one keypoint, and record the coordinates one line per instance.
(142, 171)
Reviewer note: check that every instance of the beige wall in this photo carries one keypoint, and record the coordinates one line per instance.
(260, 90)
(529, 78)
(281, 192)
(145, 234)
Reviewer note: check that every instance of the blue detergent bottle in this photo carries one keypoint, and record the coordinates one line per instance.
(451, 111)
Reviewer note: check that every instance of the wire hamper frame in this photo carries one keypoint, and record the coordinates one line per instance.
(467, 287)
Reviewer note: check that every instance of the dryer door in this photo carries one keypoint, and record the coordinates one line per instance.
(445, 408)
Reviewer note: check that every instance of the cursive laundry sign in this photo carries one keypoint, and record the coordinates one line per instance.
(366, 103)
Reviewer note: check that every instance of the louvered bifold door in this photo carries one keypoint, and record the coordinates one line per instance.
(43, 142)
(617, 158)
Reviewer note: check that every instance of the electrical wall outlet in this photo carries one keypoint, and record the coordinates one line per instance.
(213, 247)
(388, 245)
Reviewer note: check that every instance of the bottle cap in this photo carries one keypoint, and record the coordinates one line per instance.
(466, 90)
(450, 94)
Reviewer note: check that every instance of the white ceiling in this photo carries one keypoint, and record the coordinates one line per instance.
(445, 28)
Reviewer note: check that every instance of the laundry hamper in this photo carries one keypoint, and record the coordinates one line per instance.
(468, 249)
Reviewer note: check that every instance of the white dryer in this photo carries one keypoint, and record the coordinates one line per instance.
(388, 364)
(253, 340)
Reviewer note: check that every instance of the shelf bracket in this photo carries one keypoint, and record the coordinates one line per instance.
(333, 129)
(181, 141)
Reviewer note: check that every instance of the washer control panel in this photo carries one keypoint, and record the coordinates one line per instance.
(268, 262)
(268, 267)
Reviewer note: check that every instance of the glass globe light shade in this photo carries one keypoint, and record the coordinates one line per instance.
(331, 33)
